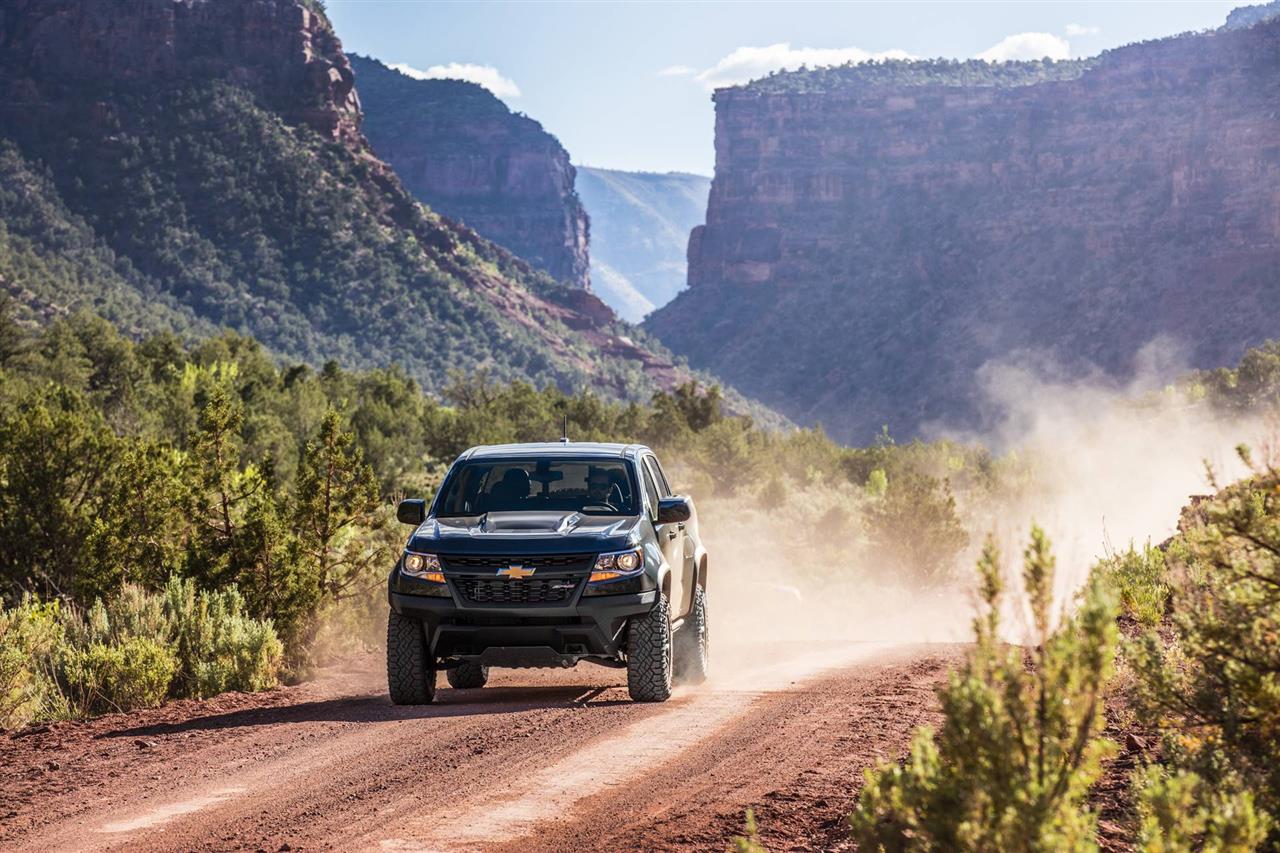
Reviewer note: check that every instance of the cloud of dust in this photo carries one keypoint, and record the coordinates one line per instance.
(1095, 462)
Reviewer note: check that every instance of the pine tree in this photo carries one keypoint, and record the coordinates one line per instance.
(336, 510)
(221, 490)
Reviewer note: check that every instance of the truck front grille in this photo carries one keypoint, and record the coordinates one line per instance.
(524, 591)
(545, 562)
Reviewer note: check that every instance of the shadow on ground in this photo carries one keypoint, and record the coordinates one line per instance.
(377, 708)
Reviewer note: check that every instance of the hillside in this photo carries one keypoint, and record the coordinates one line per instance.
(200, 164)
(640, 223)
(459, 149)
(890, 229)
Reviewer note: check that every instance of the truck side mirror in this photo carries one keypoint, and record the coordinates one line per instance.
(674, 509)
(412, 511)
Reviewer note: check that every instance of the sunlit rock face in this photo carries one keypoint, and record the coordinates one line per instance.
(876, 235)
(459, 149)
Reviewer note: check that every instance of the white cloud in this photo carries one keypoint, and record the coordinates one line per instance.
(484, 75)
(677, 71)
(1082, 30)
(1028, 46)
(748, 63)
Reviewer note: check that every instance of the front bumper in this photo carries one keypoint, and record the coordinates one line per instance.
(584, 627)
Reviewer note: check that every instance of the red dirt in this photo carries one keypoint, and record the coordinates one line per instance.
(539, 760)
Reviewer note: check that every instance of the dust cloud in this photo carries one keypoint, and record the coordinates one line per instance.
(1096, 463)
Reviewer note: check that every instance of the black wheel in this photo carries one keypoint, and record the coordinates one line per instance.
(411, 673)
(649, 654)
(468, 674)
(693, 643)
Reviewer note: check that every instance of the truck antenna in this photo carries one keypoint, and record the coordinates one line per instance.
(564, 433)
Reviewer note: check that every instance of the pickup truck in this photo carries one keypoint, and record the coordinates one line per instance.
(549, 554)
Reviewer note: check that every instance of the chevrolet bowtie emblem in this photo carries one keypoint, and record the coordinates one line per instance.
(515, 571)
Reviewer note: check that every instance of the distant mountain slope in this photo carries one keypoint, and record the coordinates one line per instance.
(200, 163)
(640, 224)
(53, 263)
(459, 149)
(877, 234)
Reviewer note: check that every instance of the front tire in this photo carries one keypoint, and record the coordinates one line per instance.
(467, 675)
(693, 643)
(411, 673)
(649, 654)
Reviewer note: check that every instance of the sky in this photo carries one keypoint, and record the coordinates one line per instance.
(628, 85)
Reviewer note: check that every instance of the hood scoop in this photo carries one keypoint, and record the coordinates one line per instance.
(528, 522)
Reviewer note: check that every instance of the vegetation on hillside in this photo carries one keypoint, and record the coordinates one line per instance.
(916, 72)
(1252, 385)
(193, 206)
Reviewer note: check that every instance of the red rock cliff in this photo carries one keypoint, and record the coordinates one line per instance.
(459, 148)
(876, 235)
(286, 52)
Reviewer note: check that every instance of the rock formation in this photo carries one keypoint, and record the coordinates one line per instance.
(640, 223)
(284, 51)
(877, 234)
(459, 149)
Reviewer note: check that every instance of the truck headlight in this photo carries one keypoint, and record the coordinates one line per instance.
(617, 564)
(425, 566)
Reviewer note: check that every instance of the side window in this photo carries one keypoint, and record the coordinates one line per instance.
(651, 491)
(659, 478)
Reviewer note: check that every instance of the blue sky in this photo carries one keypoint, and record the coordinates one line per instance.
(628, 85)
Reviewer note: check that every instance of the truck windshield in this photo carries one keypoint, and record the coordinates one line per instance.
(602, 486)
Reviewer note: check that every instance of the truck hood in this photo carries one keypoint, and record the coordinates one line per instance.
(519, 533)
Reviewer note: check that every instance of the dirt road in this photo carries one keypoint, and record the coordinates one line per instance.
(538, 760)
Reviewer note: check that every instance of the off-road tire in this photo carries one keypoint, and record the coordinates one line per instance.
(649, 654)
(692, 643)
(411, 673)
(468, 674)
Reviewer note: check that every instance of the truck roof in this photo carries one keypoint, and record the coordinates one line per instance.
(552, 448)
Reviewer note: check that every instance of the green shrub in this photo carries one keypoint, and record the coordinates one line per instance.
(131, 651)
(30, 636)
(877, 483)
(749, 843)
(1020, 743)
(915, 528)
(1139, 578)
(774, 493)
(1214, 690)
(219, 647)
(1180, 813)
(133, 674)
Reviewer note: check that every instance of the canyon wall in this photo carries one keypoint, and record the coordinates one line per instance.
(640, 223)
(459, 149)
(877, 236)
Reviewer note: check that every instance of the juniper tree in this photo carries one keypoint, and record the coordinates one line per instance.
(1020, 742)
(221, 489)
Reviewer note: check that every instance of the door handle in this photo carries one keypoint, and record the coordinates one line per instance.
(680, 526)
(671, 534)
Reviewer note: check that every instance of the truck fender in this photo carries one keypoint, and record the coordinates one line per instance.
(700, 566)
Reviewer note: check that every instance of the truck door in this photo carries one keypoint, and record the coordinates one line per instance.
(671, 538)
